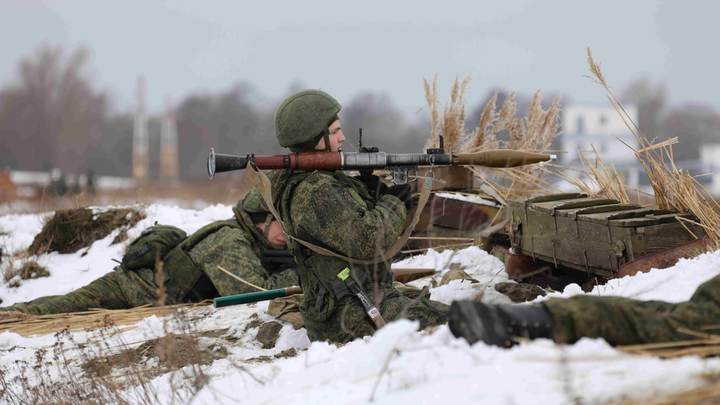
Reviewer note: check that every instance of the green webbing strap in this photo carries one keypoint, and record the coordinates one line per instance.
(370, 308)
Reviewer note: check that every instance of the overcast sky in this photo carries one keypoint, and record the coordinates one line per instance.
(345, 47)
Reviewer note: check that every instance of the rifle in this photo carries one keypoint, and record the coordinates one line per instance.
(369, 159)
(403, 275)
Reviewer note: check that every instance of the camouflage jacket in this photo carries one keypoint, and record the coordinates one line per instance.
(237, 246)
(336, 212)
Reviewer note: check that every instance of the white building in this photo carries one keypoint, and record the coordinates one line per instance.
(710, 160)
(585, 127)
(601, 127)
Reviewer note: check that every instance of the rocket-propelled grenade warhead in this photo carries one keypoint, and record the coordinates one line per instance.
(307, 161)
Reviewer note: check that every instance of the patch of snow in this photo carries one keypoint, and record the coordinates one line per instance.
(396, 365)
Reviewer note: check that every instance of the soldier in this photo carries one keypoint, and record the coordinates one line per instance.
(343, 291)
(618, 320)
(190, 266)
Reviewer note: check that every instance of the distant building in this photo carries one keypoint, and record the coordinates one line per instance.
(585, 127)
(710, 159)
(141, 142)
(169, 160)
(8, 188)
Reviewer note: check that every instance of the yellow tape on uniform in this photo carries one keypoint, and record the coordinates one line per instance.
(344, 274)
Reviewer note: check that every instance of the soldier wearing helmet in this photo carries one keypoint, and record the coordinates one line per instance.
(339, 214)
(191, 265)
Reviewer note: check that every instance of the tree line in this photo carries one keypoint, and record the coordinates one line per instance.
(54, 116)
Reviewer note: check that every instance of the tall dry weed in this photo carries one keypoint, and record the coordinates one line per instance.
(451, 124)
(497, 128)
(599, 179)
(431, 97)
(673, 188)
(503, 129)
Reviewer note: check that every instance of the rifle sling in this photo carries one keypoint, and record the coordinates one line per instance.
(260, 181)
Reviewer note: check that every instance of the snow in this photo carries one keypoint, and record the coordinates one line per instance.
(396, 365)
(70, 271)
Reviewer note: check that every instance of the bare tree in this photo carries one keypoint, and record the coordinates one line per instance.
(52, 116)
(382, 123)
(231, 122)
(694, 125)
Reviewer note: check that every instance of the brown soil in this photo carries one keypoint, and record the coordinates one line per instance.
(73, 229)
(172, 351)
(254, 322)
(268, 334)
(28, 270)
(285, 354)
(31, 269)
(520, 292)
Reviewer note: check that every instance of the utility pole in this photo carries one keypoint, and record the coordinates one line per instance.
(169, 162)
(141, 161)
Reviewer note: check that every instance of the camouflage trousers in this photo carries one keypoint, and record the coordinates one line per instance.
(624, 321)
(118, 289)
(349, 321)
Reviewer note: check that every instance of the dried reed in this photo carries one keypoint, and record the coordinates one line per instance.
(707, 345)
(451, 125)
(503, 129)
(706, 394)
(674, 189)
(27, 325)
(607, 181)
(453, 121)
(431, 97)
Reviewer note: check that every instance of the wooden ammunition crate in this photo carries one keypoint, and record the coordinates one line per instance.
(593, 235)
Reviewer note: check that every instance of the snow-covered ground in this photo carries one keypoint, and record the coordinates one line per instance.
(397, 365)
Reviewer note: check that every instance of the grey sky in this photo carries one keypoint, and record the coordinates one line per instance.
(388, 46)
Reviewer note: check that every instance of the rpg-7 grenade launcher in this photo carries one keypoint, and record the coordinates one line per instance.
(369, 159)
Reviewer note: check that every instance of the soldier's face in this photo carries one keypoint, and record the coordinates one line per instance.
(336, 137)
(275, 235)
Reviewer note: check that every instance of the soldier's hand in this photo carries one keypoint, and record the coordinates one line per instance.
(403, 193)
(375, 186)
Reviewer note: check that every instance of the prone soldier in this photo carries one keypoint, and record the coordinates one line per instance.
(192, 266)
(618, 320)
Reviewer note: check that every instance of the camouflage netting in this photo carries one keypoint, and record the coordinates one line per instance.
(73, 229)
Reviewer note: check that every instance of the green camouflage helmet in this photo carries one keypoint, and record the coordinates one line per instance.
(254, 206)
(303, 118)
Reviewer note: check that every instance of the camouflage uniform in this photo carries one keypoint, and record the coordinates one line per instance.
(190, 270)
(335, 211)
(624, 321)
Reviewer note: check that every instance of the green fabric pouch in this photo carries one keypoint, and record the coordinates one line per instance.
(154, 243)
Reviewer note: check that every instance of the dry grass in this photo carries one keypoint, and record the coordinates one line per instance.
(705, 345)
(73, 229)
(107, 369)
(600, 179)
(28, 325)
(674, 189)
(503, 129)
(451, 125)
(29, 269)
(431, 97)
(499, 127)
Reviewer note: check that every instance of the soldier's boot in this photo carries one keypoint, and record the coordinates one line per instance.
(498, 325)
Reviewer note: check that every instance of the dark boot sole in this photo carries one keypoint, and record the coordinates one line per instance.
(475, 321)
